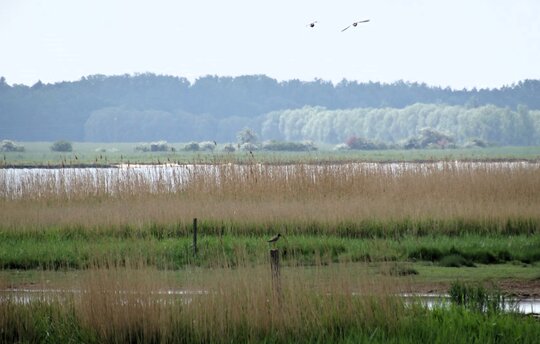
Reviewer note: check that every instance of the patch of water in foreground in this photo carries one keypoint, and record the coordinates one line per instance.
(529, 306)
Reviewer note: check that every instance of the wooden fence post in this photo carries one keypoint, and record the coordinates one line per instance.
(194, 236)
(276, 278)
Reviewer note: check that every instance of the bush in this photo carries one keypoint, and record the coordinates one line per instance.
(246, 135)
(62, 146)
(305, 146)
(10, 146)
(430, 138)
(476, 143)
(207, 146)
(249, 147)
(342, 147)
(159, 146)
(229, 147)
(354, 142)
(192, 146)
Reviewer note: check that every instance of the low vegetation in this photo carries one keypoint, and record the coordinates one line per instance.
(159, 146)
(289, 146)
(10, 146)
(62, 146)
(137, 304)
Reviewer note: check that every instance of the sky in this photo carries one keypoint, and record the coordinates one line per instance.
(455, 43)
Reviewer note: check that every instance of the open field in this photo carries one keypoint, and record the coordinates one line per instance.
(105, 154)
(354, 237)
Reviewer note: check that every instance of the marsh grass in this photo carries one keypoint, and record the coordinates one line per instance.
(126, 230)
(479, 298)
(131, 304)
(345, 199)
(50, 250)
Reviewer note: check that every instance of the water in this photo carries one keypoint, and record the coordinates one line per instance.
(170, 296)
(524, 305)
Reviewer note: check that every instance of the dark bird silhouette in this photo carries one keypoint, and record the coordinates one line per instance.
(355, 24)
(312, 24)
(275, 238)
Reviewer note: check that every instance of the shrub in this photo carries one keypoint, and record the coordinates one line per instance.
(159, 146)
(355, 142)
(207, 145)
(62, 146)
(249, 147)
(192, 146)
(430, 138)
(305, 146)
(247, 135)
(229, 147)
(342, 147)
(476, 143)
(10, 146)
(110, 150)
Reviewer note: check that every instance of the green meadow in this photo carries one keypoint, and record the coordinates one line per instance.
(104, 154)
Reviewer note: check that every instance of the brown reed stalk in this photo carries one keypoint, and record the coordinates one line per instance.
(272, 195)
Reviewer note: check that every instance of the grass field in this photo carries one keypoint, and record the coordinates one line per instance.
(102, 154)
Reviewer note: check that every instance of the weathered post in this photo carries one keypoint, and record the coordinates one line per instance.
(276, 279)
(194, 236)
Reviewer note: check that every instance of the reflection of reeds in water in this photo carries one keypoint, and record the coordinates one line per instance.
(265, 196)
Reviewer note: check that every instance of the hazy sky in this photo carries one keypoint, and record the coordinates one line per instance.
(456, 43)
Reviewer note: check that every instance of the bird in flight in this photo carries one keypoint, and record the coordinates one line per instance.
(355, 24)
(312, 24)
(275, 238)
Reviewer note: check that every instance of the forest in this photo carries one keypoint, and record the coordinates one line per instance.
(146, 107)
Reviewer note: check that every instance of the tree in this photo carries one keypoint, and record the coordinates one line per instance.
(246, 135)
(10, 146)
(62, 146)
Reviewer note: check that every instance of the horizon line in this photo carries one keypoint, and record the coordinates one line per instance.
(193, 80)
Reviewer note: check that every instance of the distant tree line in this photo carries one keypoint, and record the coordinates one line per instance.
(489, 123)
(149, 107)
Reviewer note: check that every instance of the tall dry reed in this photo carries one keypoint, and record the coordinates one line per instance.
(271, 195)
(223, 305)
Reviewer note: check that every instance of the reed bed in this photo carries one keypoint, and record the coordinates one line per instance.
(299, 198)
(134, 304)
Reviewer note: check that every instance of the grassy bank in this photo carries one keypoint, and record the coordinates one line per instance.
(50, 250)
